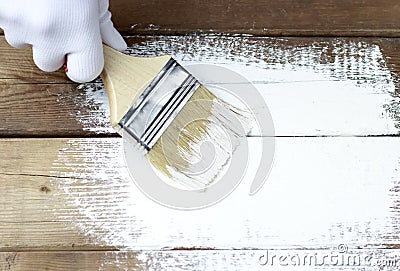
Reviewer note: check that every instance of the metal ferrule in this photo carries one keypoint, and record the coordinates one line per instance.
(159, 104)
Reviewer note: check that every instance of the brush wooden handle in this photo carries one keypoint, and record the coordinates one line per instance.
(125, 77)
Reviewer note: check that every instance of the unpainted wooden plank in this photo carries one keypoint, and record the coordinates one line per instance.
(57, 261)
(17, 65)
(38, 110)
(278, 18)
(77, 193)
(282, 17)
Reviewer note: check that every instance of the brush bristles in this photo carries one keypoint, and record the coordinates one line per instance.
(198, 144)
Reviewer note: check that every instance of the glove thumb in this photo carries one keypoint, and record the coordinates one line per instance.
(109, 34)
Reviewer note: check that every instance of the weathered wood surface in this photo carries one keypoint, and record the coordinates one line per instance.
(334, 87)
(280, 17)
(67, 201)
(16, 65)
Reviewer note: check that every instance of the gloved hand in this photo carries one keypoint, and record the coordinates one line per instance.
(60, 31)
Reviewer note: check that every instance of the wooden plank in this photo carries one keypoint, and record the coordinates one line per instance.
(13, 261)
(66, 111)
(278, 18)
(281, 17)
(16, 65)
(63, 194)
(201, 260)
(333, 86)
(53, 110)
(339, 57)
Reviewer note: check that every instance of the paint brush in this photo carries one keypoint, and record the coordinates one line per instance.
(173, 117)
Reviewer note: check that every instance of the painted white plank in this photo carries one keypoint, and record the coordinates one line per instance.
(321, 191)
(326, 108)
(352, 259)
(332, 108)
(208, 260)
(331, 87)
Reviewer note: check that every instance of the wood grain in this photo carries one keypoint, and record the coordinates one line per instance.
(34, 109)
(70, 204)
(76, 194)
(17, 66)
(276, 18)
(303, 77)
(281, 17)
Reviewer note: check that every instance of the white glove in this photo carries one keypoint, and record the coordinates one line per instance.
(62, 31)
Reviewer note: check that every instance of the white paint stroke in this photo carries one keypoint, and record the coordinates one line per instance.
(228, 260)
(92, 108)
(331, 87)
(321, 191)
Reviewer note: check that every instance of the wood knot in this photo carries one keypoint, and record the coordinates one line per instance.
(44, 189)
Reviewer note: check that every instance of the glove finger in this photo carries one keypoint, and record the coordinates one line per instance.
(15, 38)
(109, 34)
(86, 65)
(112, 37)
(48, 61)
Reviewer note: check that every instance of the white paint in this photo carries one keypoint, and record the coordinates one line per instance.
(349, 91)
(352, 95)
(152, 27)
(338, 108)
(228, 260)
(94, 113)
(322, 191)
(361, 62)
